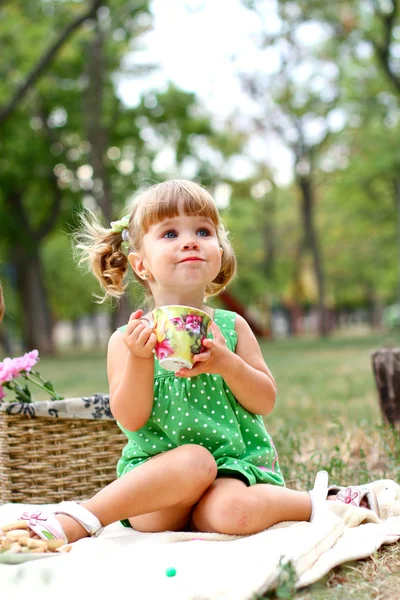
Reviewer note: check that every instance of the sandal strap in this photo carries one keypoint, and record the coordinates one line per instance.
(87, 519)
(334, 489)
(44, 525)
(318, 495)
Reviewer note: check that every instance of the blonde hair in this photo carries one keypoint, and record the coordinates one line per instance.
(101, 248)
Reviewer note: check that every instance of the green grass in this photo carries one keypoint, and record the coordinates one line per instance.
(327, 416)
(76, 373)
(327, 413)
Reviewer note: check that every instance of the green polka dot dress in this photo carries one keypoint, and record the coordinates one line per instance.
(202, 410)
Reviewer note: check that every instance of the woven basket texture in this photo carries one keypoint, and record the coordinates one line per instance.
(46, 460)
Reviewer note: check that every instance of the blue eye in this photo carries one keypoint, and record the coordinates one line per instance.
(169, 234)
(203, 232)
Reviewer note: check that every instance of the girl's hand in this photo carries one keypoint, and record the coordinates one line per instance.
(214, 360)
(139, 337)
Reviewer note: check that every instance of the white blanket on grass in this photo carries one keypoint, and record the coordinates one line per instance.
(208, 566)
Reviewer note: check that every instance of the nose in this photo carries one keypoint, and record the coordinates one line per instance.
(191, 244)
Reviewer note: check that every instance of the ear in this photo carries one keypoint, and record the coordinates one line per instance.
(138, 265)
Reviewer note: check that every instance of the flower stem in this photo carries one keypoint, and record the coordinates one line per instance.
(19, 391)
(40, 382)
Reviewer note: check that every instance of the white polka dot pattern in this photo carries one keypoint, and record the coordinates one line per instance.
(233, 434)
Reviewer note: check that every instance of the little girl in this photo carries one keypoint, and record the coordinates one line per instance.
(198, 455)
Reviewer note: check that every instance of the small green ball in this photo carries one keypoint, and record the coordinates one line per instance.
(170, 572)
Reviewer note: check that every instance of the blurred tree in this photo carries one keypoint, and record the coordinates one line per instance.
(46, 59)
(72, 140)
(363, 38)
(300, 115)
(351, 48)
(40, 129)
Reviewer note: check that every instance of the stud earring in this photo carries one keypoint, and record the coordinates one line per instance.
(145, 276)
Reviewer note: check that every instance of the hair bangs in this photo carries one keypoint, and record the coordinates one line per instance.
(172, 198)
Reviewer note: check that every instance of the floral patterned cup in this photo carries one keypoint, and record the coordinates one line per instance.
(180, 332)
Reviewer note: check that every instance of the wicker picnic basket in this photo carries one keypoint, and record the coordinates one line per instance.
(53, 451)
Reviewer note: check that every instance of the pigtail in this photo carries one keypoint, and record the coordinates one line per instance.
(99, 250)
(228, 265)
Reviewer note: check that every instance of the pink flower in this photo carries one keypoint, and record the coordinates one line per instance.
(28, 360)
(163, 349)
(12, 367)
(178, 323)
(348, 496)
(8, 370)
(33, 518)
(193, 323)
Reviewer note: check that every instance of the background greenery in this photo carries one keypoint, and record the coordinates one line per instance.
(327, 240)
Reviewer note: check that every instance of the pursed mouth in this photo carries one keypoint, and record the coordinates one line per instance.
(193, 259)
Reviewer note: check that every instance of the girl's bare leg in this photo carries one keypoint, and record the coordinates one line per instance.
(167, 486)
(230, 506)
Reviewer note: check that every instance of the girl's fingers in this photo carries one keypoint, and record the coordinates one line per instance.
(136, 315)
(186, 372)
(151, 342)
(135, 325)
(201, 357)
(215, 330)
(217, 333)
(144, 335)
(207, 343)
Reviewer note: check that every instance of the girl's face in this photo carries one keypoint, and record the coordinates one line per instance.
(180, 252)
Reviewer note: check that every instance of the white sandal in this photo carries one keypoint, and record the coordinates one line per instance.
(15, 537)
(355, 495)
(87, 519)
(47, 527)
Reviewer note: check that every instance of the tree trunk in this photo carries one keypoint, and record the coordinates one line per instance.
(268, 235)
(37, 322)
(121, 316)
(98, 137)
(77, 333)
(311, 242)
(386, 367)
(97, 134)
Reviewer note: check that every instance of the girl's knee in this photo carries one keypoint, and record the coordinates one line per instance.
(236, 515)
(197, 465)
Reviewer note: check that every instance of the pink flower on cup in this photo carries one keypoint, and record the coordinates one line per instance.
(163, 349)
(193, 323)
(178, 323)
